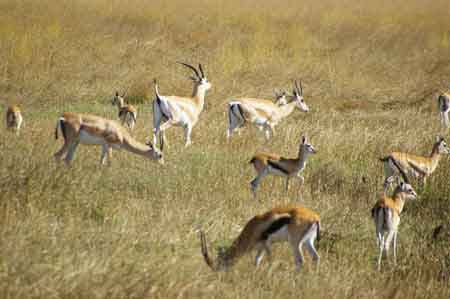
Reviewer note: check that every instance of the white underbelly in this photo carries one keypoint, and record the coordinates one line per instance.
(280, 235)
(86, 138)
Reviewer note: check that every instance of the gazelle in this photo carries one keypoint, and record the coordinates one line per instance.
(127, 113)
(180, 111)
(267, 163)
(386, 215)
(95, 130)
(294, 224)
(420, 167)
(264, 113)
(14, 118)
(444, 108)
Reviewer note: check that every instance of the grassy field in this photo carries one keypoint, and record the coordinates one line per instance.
(371, 74)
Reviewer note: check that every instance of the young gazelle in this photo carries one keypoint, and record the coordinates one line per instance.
(444, 108)
(180, 111)
(95, 130)
(417, 166)
(267, 163)
(294, 224)
(127, 113)
(14, 118)
(264, 113)
(386, 215)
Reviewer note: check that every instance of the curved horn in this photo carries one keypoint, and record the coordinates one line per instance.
(299, 89)
(201, 70)
(191, 67)
(205, 254)
(125, 92)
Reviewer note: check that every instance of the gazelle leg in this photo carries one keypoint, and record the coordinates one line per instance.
(71, 152)
(187, 133)
(268, 130)
(387, 242)
(162, 133)
(259, 255)
(381, 249)
(286, 187)
(395, 247)
(312, 250)
(59, 154)
(234, 124)
(104, 153)
(298, 254)
(255, 182)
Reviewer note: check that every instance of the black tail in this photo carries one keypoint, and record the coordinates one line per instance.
(318, 231)
(60, 123)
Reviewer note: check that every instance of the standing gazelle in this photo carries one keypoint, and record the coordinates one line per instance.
(294, 224)
(386, 215)
(267, 163)
(95, 130)
(180, 111)
(127, 113)
(14, 118)
(264, 113)
(444, 108)
(417, 166)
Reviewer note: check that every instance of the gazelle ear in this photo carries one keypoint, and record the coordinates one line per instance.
(117, 93)
(304, 139)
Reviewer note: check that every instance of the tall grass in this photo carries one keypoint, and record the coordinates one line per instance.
(371, 73)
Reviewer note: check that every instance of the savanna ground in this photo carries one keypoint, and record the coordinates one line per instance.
(371, 74)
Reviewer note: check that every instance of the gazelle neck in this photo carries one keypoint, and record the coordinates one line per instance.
(132, 145)
(302, 156)
(399, 199)
(285, 110)
(120, 103)
(198, 94)
(435, 156)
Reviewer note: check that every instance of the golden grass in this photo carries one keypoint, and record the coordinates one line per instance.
(371, 74)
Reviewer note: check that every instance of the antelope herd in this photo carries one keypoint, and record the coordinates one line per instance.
(294, 224)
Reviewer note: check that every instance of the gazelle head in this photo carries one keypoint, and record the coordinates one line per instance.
(221, 263)
(298, 96)
(305, 147)
(199, 77)
(281, 97)
(118, 99)
(154, 153)
(441, 146)
(405, 188)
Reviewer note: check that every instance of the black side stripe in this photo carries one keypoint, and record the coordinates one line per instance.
(275, 226)
(277, 166)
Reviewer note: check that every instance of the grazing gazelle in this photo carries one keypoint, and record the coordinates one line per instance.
(127, 113)
(419, 167)
(264, 113)
(294, 224)
(14, 118)
(386, 215)
(267, 163)
(180, 111)
(90, 129)
(444, 108)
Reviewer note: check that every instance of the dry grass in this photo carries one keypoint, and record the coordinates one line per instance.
(371, 73)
